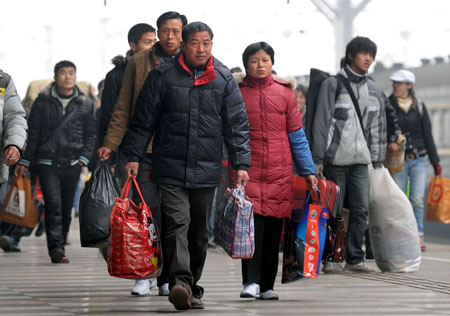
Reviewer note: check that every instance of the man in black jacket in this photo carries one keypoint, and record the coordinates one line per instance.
(141, 36)
(190, 103)
(61, 137)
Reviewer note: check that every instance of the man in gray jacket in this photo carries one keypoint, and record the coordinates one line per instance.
(346, 142)
(13, 130)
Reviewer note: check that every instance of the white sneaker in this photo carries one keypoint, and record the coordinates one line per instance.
(361, 267)
(250, 291)
(141, 287)
(164, 290)
(331, 267)
(269, 295)
(153, 283)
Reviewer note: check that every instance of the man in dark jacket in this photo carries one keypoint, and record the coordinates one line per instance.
(141, 36)
(190, 103)
(61, 137)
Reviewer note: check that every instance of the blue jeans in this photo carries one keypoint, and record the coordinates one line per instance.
(415, 170)
(355, 179)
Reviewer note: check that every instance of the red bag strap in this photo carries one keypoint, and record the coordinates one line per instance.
(127, 186)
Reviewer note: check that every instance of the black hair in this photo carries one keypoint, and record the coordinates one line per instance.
(301, 88)
(136, 32)
(195, 27)
(236, 70)
(62, 64)
(254, 48)
(357, 45)
(169, 16)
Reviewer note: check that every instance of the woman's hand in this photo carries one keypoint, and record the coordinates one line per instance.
(311, 182)
(242, 178)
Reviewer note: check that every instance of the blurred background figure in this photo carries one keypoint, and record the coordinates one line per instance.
(300, 92)
(415, 124)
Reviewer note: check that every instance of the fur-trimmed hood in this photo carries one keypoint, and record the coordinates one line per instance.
(120, 60)
(239, 77)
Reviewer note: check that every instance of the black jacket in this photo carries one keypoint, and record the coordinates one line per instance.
(416, 126)
(190, 116)
(111, 91)
(56, 138)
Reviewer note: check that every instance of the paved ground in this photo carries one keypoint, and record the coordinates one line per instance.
(31, 285)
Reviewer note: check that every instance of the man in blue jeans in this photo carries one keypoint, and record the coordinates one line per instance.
(344, 144)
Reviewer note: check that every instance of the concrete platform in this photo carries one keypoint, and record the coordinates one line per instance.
(31, 285)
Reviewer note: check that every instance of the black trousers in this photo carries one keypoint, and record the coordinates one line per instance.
(263, 267)
(185, 217)
(58, 188)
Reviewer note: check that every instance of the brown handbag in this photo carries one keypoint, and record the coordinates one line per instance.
(19, 207)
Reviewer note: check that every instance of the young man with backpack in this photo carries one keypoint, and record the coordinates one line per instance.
(349, 133)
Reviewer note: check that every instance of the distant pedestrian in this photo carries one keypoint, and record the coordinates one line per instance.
(415, 124)
(61, 138)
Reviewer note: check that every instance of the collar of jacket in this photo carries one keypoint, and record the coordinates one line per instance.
(256, 82)
(353, 76)
(208, 76)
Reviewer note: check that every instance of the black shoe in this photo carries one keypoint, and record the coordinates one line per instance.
(58, 256)
(41, 227)
(5, 244)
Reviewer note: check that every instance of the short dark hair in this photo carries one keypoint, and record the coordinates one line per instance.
(236, 69)
(169, 16)
(195, 27)
(301, 88)
(358, 45)
(256, 47)
(136, 32)
(62, 64)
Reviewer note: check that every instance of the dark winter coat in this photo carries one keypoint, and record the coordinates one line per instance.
(113, 84)
(416, 126)
(190, 115)
(56, 137)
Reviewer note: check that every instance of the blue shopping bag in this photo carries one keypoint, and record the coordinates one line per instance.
(304, 241)
(234, 224)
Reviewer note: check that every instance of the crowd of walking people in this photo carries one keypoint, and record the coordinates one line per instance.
(169, 110)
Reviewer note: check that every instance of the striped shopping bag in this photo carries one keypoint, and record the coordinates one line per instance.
(234, 227)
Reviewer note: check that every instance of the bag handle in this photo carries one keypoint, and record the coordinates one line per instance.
(127, 186)
(317, 190)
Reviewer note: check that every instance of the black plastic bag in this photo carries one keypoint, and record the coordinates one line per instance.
(96, 203)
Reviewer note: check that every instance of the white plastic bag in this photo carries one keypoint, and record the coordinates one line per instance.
(392, 225)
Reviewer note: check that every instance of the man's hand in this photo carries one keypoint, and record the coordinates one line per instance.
(132, 168)
(20, 171)
(311, 182)
(394, 147)
(242, 178)
(12, 155)
(103, 153)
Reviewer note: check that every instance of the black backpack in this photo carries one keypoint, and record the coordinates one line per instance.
(316, 78)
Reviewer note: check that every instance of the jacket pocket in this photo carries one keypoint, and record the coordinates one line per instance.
(341, 111)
